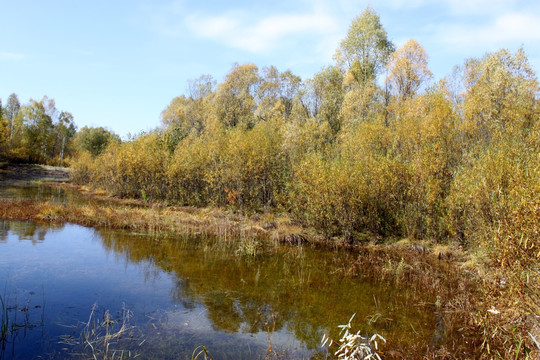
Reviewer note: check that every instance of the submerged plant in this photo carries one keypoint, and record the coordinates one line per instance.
(354, 346)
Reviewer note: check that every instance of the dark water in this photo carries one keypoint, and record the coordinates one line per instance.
(36, 192)
(57, 283)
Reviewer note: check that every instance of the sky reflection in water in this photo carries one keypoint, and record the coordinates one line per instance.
(187, 292)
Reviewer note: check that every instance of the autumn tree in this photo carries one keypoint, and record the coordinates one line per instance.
(10, 112)
(501, 93)
(276, 93)
(327, 96)
(4, 136)
(183, 116)
(65, 130)
(201, 87)
(361, 56)
(38, 129)
(366, 49)
(408, 70)
(235, 100)
(94, 140)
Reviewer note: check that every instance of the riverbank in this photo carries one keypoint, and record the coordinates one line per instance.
(26, 174)
(438, 275)
(476, 319)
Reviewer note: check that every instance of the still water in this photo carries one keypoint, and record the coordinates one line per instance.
(67, 290)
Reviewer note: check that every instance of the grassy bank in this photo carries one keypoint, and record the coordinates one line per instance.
(155, 219)
(434, 271)
(479, 318)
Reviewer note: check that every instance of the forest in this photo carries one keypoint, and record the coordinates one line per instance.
(371, 147)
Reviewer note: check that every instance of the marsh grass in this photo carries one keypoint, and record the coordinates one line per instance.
(454, 294)
(104, 337)
(4, 326)
(156, 220)
(11, 325)
(201, 352)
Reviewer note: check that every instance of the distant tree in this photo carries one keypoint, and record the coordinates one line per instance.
(38, 139)
(201, 87)
(12, 109)
(183, 116)
(94, 140)
(235, 101)
(276, 92)
(408, 70)
(3, 131)
(501, 93)
(65, 129)
(327, 96)
(366, 49)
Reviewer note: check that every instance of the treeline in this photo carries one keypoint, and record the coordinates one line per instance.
(38, 133)
(350, 152)
(35, 132)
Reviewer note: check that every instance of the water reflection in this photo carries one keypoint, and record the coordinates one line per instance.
(185, 292)
(293, 289)
(29, 231)
(56, 194)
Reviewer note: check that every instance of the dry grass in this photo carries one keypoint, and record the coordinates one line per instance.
(151, 219)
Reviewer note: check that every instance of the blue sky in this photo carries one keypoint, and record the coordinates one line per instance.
(118, 63)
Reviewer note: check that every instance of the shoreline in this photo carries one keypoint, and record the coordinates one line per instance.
(446, 271)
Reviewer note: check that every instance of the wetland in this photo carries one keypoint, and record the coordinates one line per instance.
(67, 289)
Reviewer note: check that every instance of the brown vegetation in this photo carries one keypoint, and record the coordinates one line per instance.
(445, 166)
(455, 162)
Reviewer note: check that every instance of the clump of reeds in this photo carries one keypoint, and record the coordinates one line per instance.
(10, 325)
(249, 247)
(103, 337)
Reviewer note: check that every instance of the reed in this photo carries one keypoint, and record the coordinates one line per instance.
(4, 325)
(104, 337)
(153, 219)
(201, 352)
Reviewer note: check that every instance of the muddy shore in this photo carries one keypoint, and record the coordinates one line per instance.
(24, 174)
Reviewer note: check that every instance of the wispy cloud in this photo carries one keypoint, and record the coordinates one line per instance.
(462, 7)
(478, 7)
(262, 35)
(516, 28)
(10, 56)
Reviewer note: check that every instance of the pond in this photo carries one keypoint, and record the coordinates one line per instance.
(68, 291)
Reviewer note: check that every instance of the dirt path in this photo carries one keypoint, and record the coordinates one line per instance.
(22, 174)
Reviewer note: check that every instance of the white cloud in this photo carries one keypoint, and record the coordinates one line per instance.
(10, 56)
(264, 35)
(516, 28)
(461, 7)
(479, 7)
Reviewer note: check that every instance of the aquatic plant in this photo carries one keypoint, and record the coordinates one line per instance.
(4, 324)
(100, 337)
(354, 346)
(201, 350)
(249, 248)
